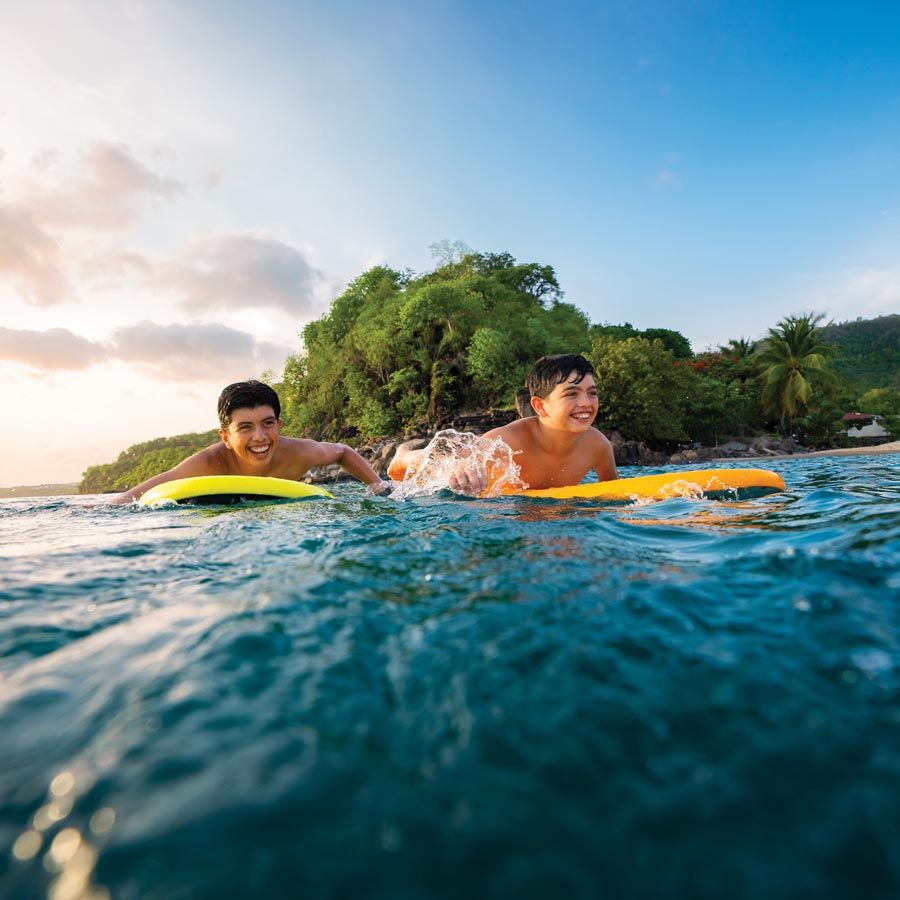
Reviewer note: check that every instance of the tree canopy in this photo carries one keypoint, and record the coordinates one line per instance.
(395, 352)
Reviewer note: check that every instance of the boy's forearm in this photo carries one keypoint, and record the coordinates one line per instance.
(353, 464)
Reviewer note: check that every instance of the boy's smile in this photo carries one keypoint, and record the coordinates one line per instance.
(252, 435)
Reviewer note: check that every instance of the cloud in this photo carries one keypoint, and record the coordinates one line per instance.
(861, 292)
(55, 349)
(242, 271)
(44, 160)
(183, 353)
(59, 226)
(195, 352)
(39, 213)
(102, 196)
(112, 268)
(30, 257)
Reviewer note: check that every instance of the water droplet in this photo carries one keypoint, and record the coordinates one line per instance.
(62, 784)
(64, 845)
(27, 845)
(103, 820)
(52, 813)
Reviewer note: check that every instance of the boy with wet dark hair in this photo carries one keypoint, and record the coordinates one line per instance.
(246, 394)
(555, 447)
(250, 428)
(549, 371)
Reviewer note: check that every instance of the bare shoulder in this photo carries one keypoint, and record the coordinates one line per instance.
(211, 461)
(307, 452)
(597, 439)
(517, 434)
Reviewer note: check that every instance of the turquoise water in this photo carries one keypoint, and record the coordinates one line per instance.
(444, 697)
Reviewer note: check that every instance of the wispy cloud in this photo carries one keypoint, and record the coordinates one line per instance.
(42, 211)
(241, 271)
(101, 194)
(861, 291)
(52, 350)
(30, 257)
(61, 226)
(182, 353)
(195, 352)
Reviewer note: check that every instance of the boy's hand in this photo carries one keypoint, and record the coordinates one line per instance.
(469, 478)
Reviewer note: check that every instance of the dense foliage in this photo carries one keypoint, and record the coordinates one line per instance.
(398, 353)
(868, 352)
(142, 461)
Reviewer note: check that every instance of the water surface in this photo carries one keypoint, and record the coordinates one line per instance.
(445, 697)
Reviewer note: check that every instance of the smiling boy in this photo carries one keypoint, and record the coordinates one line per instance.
(250, 425)
(555, 447)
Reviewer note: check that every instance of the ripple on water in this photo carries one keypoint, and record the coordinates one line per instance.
(364, 697)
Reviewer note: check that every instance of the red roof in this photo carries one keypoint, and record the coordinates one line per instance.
(858, 417)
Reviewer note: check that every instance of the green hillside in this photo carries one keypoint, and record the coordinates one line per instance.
(400, 354)
(868, 351)
(142, 461)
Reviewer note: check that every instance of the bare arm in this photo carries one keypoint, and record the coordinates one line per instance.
(198, 464)
(324, 454)
(605, 465)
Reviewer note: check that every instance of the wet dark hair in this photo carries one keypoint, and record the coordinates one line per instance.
(246, 395)
(523, 403)
(549, 371)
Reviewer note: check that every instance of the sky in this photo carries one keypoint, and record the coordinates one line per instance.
(183, 186)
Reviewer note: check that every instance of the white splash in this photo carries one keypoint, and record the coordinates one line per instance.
(448, 449)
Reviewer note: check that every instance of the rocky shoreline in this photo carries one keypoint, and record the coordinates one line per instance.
(628, 453)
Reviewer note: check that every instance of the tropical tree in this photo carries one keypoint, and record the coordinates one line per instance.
(739, 348)
(881, 401)
(795, 367)
(396, 352)
(641, 390)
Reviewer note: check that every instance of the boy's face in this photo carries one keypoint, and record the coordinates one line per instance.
(252, 434)
(571, 405)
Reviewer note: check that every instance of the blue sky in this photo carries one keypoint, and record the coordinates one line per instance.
(183, 186)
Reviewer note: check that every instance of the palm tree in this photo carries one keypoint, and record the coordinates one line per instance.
(739, 349)
(795, 360)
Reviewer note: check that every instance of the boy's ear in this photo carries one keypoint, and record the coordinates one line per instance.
(537, 404)
(223, 433)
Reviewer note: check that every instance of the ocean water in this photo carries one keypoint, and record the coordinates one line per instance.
(450, 698)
